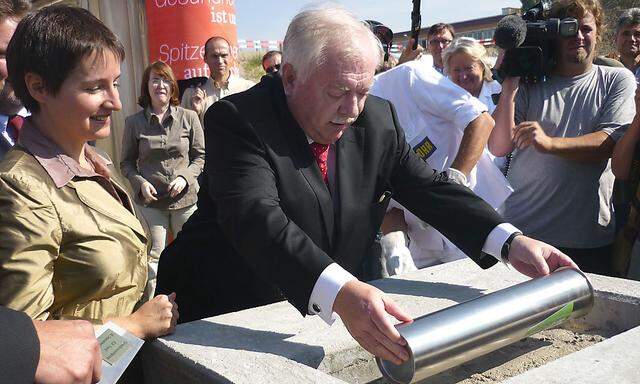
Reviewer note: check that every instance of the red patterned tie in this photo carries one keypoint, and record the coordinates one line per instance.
(14, 125)
(321, 153)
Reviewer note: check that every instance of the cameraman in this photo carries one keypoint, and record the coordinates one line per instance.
(562, 133)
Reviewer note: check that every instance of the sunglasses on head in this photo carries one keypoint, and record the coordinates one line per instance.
(273, 68)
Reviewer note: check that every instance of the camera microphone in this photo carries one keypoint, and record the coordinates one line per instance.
(510, 32)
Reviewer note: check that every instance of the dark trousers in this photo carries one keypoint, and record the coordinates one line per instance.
(593, 260)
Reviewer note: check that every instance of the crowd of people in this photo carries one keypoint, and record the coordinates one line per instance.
(305, 178)
(558, 142)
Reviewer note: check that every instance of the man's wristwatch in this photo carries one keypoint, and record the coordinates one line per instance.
(506, 247)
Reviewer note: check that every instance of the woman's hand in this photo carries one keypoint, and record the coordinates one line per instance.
(157, 317)
(176, 186)
(148, 192)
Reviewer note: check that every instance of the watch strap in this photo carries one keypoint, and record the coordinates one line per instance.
(506, 247)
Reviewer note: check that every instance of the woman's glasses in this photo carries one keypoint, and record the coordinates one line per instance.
(156, 81)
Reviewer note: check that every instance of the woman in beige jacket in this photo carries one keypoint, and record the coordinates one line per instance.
(71, 244)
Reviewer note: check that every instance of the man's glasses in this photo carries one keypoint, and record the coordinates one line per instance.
(436, 42)
(273, 68)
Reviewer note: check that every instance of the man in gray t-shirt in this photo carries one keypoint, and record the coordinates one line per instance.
(562, 134)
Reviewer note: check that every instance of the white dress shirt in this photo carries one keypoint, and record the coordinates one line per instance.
(334, 277)
(4, 120)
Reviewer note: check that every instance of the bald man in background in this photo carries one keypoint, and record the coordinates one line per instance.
(221, 82)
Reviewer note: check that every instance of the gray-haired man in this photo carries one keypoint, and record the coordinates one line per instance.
(298, 175)
(628, 40)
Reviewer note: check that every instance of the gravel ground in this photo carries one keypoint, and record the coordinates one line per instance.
(517, 358)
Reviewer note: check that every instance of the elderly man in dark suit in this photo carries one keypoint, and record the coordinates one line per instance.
(299, 171)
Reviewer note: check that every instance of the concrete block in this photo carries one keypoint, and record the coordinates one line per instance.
(275, 344)
(615, 360)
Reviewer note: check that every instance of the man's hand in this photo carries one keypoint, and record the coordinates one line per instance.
(176, 186)
(363, 310)
(499, 59)
(409, 54)
(148, 192)
(501, 141)
(535, 258)
(197, 100)
(69, 352)
(510, 85)
(531, 133)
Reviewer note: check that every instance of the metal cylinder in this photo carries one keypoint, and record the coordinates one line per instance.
(455, 335)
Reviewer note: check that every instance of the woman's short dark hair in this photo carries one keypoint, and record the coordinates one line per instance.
(166, 73)
(51, 43)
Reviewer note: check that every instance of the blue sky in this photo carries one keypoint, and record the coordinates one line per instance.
(268, 19)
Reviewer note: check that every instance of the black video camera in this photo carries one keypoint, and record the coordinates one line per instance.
(530, 41)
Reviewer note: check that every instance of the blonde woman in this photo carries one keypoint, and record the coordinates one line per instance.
(466, 64)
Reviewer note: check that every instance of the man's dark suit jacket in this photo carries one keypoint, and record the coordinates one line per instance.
(19, 347)
(266, 225)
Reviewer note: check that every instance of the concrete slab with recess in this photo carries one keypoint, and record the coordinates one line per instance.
(275, 344)
(615, 360)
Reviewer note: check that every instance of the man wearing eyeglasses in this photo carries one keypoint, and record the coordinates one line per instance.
(271, 61)
(628, 40)
(439, 36)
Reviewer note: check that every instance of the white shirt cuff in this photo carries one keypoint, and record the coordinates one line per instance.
(497, 237)
(325, 291)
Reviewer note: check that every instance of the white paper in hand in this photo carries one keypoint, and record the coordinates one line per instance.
(118, 348)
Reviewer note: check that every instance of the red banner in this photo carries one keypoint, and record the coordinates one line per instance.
(178, 29)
